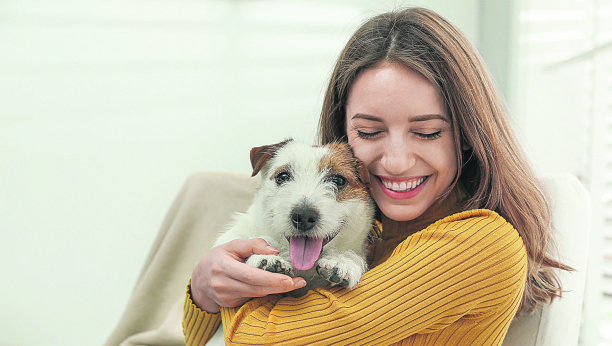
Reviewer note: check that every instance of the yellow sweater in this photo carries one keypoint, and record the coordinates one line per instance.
(458, 282)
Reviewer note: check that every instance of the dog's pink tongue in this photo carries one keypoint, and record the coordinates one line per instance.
(304, 251)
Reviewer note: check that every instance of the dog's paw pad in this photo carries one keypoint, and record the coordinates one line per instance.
(274, 266)
(333, 276)
(262, 264)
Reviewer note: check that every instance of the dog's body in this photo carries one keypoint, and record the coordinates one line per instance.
(313, 206)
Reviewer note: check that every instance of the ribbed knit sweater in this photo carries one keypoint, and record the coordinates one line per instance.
(457, 282)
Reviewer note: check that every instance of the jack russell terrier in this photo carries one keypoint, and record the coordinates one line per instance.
(313, 206)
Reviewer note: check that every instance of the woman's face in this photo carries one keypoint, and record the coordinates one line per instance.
(397, 124)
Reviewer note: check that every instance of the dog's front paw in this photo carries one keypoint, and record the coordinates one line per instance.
(270, 263)
(341, 272)
(333, 276)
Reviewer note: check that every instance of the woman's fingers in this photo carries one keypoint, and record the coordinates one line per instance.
(259, 280)
(244, 248)
(236, 293)
(253, 276)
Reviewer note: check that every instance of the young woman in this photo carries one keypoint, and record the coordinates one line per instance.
(465, 225)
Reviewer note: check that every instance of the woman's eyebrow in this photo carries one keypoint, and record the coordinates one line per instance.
(367, 117)
(416, 118)
(426, 117)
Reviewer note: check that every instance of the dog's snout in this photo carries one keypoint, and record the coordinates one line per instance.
(304, 218)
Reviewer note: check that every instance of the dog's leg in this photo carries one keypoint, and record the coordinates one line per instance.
(341, 268)
(272, 263)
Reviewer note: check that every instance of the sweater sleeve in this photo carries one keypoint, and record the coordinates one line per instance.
(198, 325)
(467, 265)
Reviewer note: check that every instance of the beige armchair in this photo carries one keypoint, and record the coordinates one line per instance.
(206, 203)
(558, 324)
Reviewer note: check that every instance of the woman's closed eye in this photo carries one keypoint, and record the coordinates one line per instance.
(366, 135)
(432, 135)
(372, 134)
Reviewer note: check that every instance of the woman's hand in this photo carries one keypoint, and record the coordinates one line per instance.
(221, 278)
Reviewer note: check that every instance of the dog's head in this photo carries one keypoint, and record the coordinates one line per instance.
(310, 194)
(342, 153)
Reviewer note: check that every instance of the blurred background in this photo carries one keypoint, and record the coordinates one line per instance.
(107, 106)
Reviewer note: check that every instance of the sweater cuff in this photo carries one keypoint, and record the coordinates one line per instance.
(198, 325)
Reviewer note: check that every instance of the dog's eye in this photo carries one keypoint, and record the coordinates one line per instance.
(338, 180)
(282, 178)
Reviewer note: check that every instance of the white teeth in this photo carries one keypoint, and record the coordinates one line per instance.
(404, 185)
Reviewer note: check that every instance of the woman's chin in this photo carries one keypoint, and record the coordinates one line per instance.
(401, 212)
(398, 209)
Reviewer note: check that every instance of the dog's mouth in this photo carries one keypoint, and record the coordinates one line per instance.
(304, 250)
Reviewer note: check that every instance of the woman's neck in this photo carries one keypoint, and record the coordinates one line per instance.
(449, 205)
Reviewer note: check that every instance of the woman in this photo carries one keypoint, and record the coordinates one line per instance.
(465, 225)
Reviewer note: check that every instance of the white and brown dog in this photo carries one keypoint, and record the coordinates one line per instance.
(312, 205)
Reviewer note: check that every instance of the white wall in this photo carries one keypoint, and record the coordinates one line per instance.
(106, 107)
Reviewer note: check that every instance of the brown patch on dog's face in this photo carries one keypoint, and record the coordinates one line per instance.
(340, 161)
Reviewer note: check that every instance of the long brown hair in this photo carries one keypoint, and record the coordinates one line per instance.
(494, 170)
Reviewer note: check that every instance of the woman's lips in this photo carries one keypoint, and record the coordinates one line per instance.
(402, 189)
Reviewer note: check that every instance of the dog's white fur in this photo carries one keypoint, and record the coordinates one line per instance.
(346, 211)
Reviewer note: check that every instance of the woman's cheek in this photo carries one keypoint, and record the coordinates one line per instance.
(361, 151)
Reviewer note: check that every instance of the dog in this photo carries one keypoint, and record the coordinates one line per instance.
(313, 205)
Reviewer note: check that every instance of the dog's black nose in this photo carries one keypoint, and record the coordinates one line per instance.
(304, 218)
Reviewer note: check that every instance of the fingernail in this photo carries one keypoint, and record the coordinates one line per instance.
(287, 282)
(300, 284)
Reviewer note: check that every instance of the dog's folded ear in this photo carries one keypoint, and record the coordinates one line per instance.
(260, 155)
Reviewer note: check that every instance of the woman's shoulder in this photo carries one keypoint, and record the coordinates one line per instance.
(477, 226)
(469, 214)
(473, 219)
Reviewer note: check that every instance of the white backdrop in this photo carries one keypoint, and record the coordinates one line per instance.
(106, 108)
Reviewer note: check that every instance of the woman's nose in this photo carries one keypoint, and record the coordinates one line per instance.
(398, 158)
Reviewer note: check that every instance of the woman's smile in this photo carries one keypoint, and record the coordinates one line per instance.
(398, 188)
